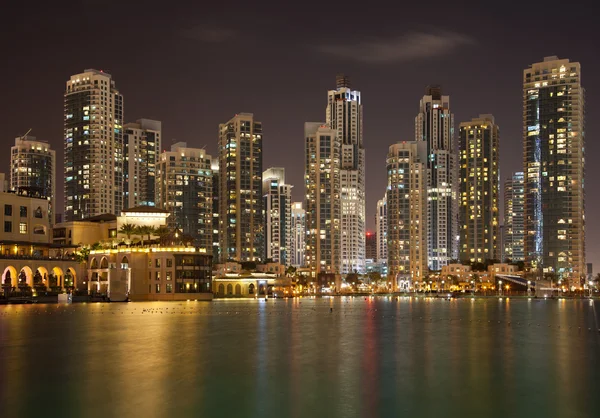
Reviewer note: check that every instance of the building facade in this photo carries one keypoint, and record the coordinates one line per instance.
(298, 229)
(371, 246)
(278, 216)
(381, 227)
(185, 191)
(323, 211)
(142, 146)
(93, 132)
(25, 223)
(33, 170)
(479, 145)
(514, 228)
(241, 222)
(344, 116)
(434, 125)
(554, 187)
(407, 212)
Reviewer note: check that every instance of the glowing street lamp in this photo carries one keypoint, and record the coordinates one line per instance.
(500, 287)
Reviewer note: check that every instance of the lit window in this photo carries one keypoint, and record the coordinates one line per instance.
(22, 228)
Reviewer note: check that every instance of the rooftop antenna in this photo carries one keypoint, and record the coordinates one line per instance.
(25, 136)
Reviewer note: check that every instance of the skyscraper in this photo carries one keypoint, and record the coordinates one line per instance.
(407, 212)
(381, 227)
(322, 181)
(434, 125)
(216, 195)
(298, 235)
(241, 226)
(514, 232)
(185, 190)
(553, 138)
(344, 116)
(278, 215)
(33, 169)
(141, 142)
(371, 246)
(479, 144)
(93, 118)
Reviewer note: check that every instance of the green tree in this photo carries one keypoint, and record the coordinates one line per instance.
(163, 234)
(290, 271)
(82, 253)
(374, 276)
(128, 230)
(37, 278)
(352, 278)
(145, 230)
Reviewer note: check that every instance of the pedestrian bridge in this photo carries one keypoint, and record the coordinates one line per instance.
(516, 279)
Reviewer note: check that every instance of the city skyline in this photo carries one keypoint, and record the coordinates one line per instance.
(191, 103)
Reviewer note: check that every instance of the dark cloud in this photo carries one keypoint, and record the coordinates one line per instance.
(410, 46)
(209, 33)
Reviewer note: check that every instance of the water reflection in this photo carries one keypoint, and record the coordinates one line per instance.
(334, 357)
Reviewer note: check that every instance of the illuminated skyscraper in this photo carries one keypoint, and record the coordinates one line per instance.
(479, 144)
(93, 129)
(278, 215)
(322, 181)
(33, 169)
(406, 212)
(434, 125)
(298, 235)
(381, 227)
(185, 190)
(344, 116)
(141, 141)
(241, 225)
(553, 139)
(514, 232)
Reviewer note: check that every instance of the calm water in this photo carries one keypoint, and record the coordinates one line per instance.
(294, 358)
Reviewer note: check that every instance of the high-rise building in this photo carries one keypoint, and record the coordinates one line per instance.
(33, 170)
(241, 225)
(344, 116)
(216, 183)
(141, 142)
(381, 227)
(93, 119)
(185, 191)
(278, 215)
(371, 246)
(514, 229)
(298, 235)
(434, 125)
(3, 183)
(322, 181)
(553, 138)
(407, 212)
(479, 145)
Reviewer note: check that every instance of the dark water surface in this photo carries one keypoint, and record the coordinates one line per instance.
(378, 357)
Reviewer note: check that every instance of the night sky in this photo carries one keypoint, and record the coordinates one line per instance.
(193, 67)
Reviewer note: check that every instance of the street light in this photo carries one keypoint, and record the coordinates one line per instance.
(473, 286)
(528, 286)
(500, 287)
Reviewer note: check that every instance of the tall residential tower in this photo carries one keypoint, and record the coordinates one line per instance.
(322, 181)
(344, 116)
(479, 144)
(241, 226)
(434, 125)
(93, 129)
(278, 215)
(514, 230)
(141, 142)
(33, 169)
(553, 138)
(407, 212)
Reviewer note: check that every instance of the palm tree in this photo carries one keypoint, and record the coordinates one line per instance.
(145, 230)
(163, 232)
(128, 230)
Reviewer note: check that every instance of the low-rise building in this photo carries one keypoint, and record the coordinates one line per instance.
(502, 269)
(151, 273)
(251, 285)
(24, 225)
